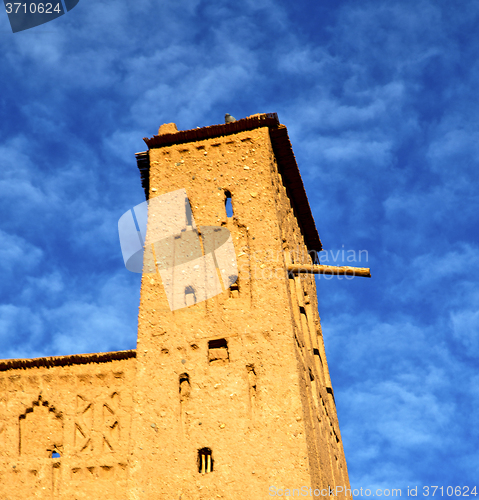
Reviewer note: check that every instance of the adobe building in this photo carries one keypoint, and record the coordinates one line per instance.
(226, 398)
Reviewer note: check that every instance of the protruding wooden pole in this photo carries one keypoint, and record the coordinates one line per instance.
(338, 270)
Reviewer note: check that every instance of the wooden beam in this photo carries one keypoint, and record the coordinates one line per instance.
(338, 270)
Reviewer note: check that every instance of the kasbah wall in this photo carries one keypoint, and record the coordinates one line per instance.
(225, 398)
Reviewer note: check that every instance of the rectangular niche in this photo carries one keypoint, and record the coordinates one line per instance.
(218, 351)
(234, 291)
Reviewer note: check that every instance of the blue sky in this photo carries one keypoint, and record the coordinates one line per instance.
(380, 99)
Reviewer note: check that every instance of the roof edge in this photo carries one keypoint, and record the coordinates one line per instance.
(283, 152)
(289, 170)
(73, 359)
(198, 134)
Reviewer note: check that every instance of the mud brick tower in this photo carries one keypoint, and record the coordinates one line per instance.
(226, 398)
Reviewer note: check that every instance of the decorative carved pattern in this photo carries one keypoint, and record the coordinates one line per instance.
(109, 472)
(82, 439)
(40, 430)
(111, 423)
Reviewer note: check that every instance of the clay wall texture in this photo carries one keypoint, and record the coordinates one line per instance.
(239, 381)
(80, 411)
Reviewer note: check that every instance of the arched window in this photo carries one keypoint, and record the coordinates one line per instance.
(184, 387)
(228, 204)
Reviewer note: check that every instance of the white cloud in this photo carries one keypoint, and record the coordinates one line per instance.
(64, 316)
(378, 100)
(17, 255)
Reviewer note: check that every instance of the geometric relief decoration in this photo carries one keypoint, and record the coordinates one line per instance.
(40, 430)
(82, 440)
(111, 423)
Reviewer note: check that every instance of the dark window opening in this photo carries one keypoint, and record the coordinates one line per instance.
(205, 461)
(218, 351)
(311, 376)
(228, 204)
(234, 291)
(316, 353)
(217, 344)
(184, 379)
(184, 386)
(329, 390)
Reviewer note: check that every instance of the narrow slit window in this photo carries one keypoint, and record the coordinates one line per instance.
(228, 204)
(205, 461)
(184, 386)
(218, 351)
(316, 353)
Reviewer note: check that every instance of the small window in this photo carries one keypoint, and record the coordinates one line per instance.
(205, 461)
(184, 387)
(234, 291)
(228, 204)
(218, 351)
